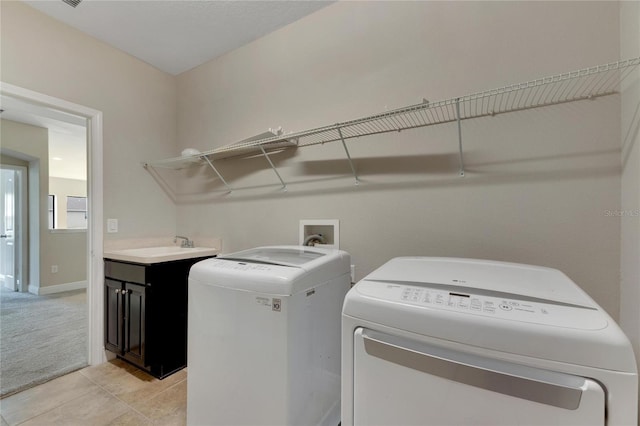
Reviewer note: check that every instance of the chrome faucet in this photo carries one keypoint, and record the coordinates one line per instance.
(186, 242)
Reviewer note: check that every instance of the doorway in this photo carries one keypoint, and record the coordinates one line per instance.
(44, 330)
(95, 269)
(12, 226)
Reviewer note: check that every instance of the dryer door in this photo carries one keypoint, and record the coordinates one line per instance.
(400, 381)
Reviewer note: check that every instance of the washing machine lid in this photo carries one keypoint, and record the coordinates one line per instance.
(522, 309)
(279, 255)
(273, 270)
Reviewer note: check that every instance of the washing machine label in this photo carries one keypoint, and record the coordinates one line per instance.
(265, 301)
(273, 303)
(276, 305)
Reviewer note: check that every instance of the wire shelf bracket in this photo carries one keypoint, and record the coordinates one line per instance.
(353, 169)
(206, 158)
(284, 185)
(460, 137)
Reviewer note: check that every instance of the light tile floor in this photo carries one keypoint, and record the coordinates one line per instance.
(113, 393)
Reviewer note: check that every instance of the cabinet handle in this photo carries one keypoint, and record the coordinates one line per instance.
(117, 290)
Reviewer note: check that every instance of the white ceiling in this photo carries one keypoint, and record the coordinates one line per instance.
(172, 35)
(177, 35)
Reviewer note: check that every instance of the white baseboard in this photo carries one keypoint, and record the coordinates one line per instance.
(59, 288)
(5, 283)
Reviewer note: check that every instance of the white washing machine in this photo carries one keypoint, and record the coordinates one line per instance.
(264, 337)
(444, 341)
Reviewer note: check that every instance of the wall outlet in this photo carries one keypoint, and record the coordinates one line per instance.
(112, 226)
(54, 269)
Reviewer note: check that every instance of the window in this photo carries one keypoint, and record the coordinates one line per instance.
(77, 212)
(52, 211)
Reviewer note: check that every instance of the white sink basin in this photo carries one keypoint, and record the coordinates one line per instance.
(159, 254)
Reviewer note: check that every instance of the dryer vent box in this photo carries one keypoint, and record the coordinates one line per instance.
(328, 229)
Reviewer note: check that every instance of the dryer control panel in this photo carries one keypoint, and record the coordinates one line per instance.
(485, 303)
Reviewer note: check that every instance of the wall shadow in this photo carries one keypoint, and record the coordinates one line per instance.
(439, 171)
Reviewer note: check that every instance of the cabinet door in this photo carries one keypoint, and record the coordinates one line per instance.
(134, 323)
(113, 315)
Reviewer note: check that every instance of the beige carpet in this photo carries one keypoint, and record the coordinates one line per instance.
(41, 337)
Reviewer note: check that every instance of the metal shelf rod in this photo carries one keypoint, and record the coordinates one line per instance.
(344, 144)
(284, 185)
(460, 138)
(217, 172)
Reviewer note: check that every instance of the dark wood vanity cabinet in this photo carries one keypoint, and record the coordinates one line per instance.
(125, 319)
(145, 315)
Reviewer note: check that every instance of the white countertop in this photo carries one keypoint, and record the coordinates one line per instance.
(150, 255)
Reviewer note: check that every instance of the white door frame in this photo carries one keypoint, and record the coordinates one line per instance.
(21, 222)
(95, 266)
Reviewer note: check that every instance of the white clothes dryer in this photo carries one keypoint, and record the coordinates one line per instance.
(445, 341)
(264, 337)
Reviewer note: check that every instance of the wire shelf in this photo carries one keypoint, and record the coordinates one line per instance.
(573, 86)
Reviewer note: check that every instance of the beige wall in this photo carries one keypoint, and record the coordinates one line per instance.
(70, 250)
(138, 104)
(538, 182)
(630, 220)
(67, 250)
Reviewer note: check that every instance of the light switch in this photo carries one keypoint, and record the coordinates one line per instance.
(112, 226)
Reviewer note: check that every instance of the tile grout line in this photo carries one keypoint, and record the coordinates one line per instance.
(163, 391)
(126, 403)
(46, 411)
(102, 388)
(119, 399)
(42, 413)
